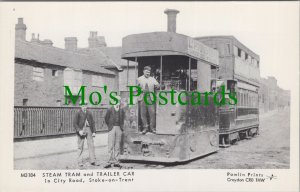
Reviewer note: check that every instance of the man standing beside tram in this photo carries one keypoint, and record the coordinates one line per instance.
(147, 84)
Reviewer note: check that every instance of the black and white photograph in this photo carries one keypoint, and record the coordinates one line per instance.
(118, 87)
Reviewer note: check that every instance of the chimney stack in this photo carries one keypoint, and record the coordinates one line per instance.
(95, 40)
(171, 19)
(71, 43)
(47, 42)
(20, 29)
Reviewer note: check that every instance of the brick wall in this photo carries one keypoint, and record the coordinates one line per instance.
(50, 90)
(38, 93)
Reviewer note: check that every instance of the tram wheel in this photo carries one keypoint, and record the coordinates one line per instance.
(250, 133)
(233, 142)
(225, 141)
(241, 135)
(256, 132)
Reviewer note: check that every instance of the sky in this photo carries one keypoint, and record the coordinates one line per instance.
(270, 29)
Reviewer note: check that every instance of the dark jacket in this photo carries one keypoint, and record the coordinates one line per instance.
(80, 118)
(109, 117)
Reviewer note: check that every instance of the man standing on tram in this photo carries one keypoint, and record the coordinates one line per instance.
(147, 84)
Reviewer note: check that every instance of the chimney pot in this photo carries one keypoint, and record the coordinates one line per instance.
(20, 30)
(93, 34)
(171, 13)
(20, 21)
(71, 43)
(95, 40)
(47, 42)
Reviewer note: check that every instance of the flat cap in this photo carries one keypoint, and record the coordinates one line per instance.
(147, 68)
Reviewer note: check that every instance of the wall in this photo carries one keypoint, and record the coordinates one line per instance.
(48, 91)
(38, 93)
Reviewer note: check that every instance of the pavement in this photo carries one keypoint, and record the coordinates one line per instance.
(31, 152)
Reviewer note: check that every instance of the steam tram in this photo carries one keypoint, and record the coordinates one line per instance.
(183, 132)
(238, 71)
(182, 63)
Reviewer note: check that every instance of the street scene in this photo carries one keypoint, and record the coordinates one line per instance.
(109, 107)
(262, 152)
(150, 96)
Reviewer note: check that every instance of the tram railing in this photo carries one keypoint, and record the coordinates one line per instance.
(51, 121)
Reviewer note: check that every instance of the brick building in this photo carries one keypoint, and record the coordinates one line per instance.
(42, 70)
(271, 96)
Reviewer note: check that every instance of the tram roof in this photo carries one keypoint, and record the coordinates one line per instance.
(235, 42)
(167, 43)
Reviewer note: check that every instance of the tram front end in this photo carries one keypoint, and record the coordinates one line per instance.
(183, 130)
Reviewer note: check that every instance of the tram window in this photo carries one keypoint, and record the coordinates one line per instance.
(235, 51)
(243, 55)
(239, 52)
(176, 75)
(242, 99)
(249, 59)
(249, 100)
(213, 85)
(230, 85)
(228, 48)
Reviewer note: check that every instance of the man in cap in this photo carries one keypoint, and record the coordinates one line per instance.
(147, 84)
(114, 119)
(85, 129)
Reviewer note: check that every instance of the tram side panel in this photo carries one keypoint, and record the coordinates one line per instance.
(203, 129)
(240, 121)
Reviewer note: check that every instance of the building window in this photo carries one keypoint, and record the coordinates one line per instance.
(246, 56)
(97, 81)
(25, 101)
(54, 73)
(38, 74)
(58, 103)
